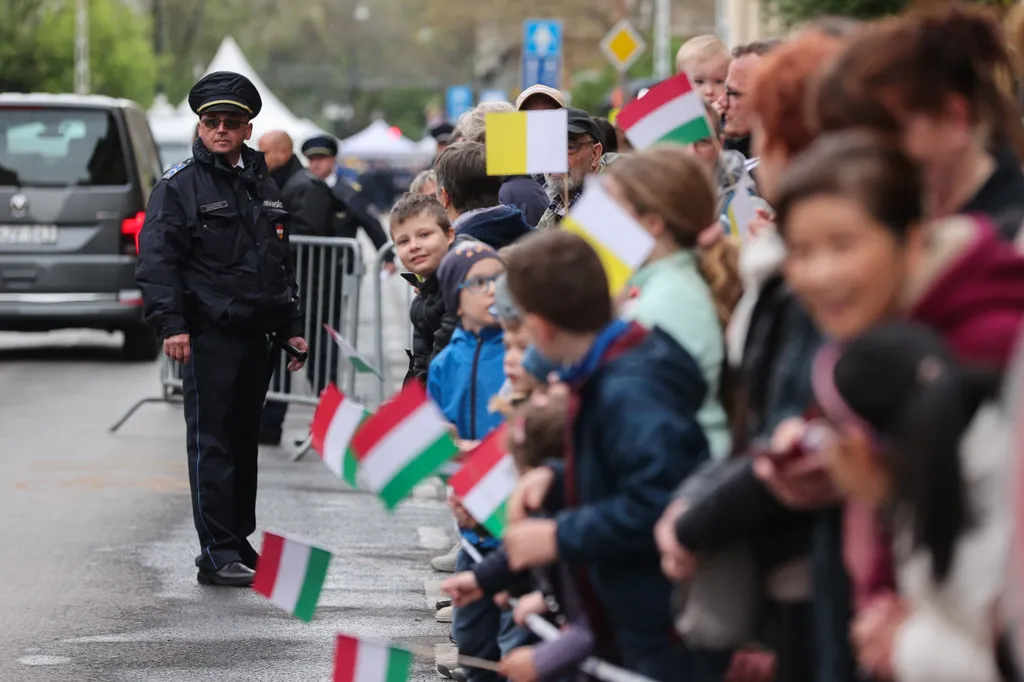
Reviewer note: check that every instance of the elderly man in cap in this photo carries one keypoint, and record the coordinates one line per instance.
(540, 97)
(586, 157)
(355, 211)
(219, 288)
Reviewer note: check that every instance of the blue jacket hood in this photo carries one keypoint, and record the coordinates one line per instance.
(497, 227)
(465, 376)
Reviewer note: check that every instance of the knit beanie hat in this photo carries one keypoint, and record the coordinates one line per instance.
(456, 265)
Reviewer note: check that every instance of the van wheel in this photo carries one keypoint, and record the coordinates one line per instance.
(140, 345)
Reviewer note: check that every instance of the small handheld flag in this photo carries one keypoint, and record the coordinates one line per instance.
(290, 573)
(527, 142)
(335, 422)
(671, 112)
(486, 480)
(621, 243)
(364, 660)
(741, 210)
(360, 365)
(406, 441)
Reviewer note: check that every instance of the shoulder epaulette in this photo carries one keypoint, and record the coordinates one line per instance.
(177, 167)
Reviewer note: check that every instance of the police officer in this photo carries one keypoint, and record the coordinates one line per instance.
(217, 281)
(353, 209)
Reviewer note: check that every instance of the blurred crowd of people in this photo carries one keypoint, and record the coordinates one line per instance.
(786, 451)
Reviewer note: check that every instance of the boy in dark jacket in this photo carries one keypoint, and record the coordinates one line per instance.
(634, 437)
(470, 197)
(422, 234)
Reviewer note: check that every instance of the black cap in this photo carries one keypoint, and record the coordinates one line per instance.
(225, 91)
(442, 132)
(321, 145)
(580, 123)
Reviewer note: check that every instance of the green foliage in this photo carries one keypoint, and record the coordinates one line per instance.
(37, 49)
(797, 11)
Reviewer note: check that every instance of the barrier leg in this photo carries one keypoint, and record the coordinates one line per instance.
(132, 410)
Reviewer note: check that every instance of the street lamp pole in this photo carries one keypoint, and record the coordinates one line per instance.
(82, 47)
(662, 39)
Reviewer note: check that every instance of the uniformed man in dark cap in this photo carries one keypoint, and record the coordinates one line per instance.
(219, 287)
(442, 134)
(353, 209)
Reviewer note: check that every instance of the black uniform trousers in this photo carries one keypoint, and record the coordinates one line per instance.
(224, 387)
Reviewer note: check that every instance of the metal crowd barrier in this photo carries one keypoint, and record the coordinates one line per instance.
(329, 272)
(380, 352)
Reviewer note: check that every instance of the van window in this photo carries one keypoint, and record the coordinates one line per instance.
(58, 147)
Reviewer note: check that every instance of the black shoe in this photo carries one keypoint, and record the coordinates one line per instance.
(235, 574)
(441, 604)
(251, 560)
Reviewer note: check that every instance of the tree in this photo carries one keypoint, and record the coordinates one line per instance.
(37, 49)
(796, 11)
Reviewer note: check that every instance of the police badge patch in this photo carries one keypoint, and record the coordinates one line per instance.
(280, 230)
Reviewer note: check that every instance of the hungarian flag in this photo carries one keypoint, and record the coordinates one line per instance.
(335, 422)
(486, 481)
(671, 112)
(362, 660)
(361, 366)
(290, 573)
(405, 442)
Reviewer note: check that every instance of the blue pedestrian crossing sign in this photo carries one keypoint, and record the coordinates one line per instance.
(542, 53)
(459, 100)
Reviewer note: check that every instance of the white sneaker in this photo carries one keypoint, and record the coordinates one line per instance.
(446, 562)
(444, 615)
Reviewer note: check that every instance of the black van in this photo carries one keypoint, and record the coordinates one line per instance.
(75, 176)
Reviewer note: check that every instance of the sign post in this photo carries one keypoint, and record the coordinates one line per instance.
(623, 46)
(459, 100)
(542, 53)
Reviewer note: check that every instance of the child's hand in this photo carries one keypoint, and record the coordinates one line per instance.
(530, 493)
(467, 445)
(463, 588)
(532, 603)
(518, 665)
(462, 516)
(531, 543)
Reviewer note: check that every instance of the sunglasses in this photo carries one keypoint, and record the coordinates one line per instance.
(228, 123)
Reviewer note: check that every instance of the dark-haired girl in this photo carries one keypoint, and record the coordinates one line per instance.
(931, 78)
(925, 442)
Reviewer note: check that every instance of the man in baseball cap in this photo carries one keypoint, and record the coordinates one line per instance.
(585, 158)
(539, 97)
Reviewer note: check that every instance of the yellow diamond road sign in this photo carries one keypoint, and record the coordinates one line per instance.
(623, 45)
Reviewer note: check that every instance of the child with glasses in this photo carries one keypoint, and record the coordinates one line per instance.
(462, 380)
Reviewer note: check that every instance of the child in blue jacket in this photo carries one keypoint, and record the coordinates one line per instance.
(462, 380)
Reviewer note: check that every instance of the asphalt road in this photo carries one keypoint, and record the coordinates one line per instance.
(96, 573)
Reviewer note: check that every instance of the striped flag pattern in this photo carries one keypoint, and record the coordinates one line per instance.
(290, 573)
(406, 441)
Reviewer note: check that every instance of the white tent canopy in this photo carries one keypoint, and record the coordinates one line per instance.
(377, 141)
(274, 115)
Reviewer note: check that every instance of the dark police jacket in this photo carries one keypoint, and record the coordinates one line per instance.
(307, 198)
(354, 210)
(214, 250)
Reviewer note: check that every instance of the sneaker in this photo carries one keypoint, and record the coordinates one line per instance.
(447, 661)
(446, 562)
(444, 615)
(441, 604)
(458, 675)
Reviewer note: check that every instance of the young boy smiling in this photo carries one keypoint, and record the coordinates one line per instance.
(422, 234)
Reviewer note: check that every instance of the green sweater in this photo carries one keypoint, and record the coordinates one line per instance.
(674, 296)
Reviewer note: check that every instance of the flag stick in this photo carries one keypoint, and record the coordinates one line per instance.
(565, 194)
(468, 661)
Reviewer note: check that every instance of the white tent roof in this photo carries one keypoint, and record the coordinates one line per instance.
(167, 124)
(274, 115)
(377, 142)
(427, 145)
